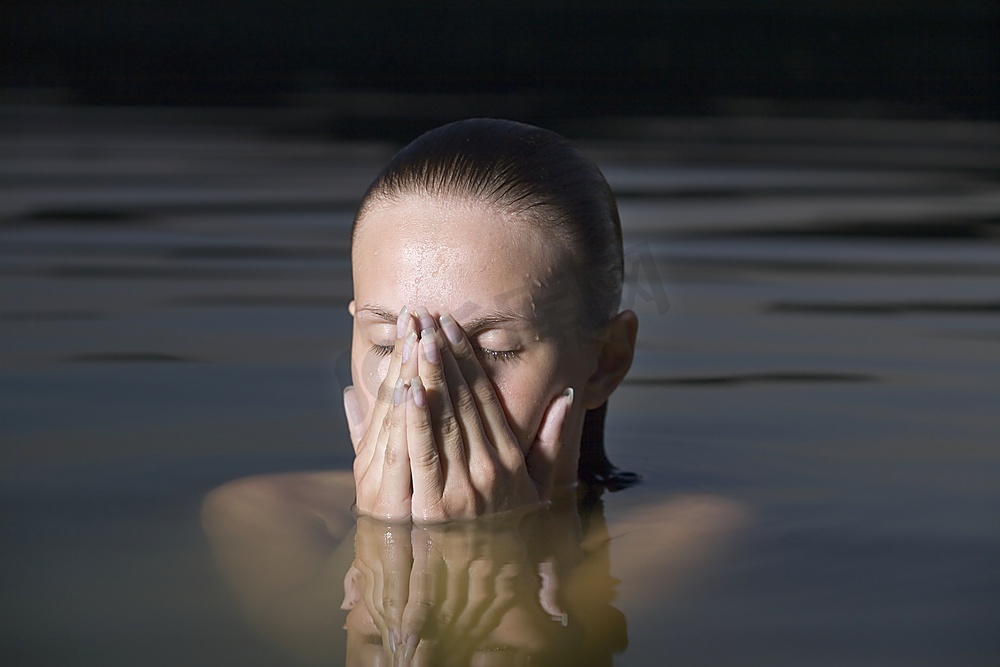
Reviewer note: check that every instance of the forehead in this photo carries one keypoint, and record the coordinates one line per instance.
(450, 254)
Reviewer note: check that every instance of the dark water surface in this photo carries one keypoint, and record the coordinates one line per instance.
(819, 342)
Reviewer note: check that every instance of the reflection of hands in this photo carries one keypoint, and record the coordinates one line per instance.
(453, 591)
(444, 449)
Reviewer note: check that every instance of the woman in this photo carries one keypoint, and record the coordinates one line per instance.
(487, 266)
(499, 246)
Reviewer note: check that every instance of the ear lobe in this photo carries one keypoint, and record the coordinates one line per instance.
(617, 348)
(350, 307)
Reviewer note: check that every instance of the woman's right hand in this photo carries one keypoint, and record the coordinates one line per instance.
(381, 462)
(465, 460)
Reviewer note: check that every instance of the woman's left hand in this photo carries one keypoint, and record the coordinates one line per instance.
(465, 460)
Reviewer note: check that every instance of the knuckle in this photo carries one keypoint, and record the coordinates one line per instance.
(398, 415)
(391, 455)
(450, 429)
(484, 390)
(427, 458)
(487, 476)
(465, 400)
(385, 392)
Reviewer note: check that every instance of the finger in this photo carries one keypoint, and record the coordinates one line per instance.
(352, 588)
(394, 491)
(541, 459)
(404, 327)
(355, 420)
(446, 429)
(395, 598)
(423, 594)
(468, 425)
(456, 594)
(424, 318)
(503, 598)
(372, 596)
(481, 578)
(395, 592)
(548, 592)
(425, 461)
(370, 451)
(490, 411)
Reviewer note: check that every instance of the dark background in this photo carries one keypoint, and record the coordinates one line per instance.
(387, 59)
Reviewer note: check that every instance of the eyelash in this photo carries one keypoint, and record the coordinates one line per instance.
(495, 355)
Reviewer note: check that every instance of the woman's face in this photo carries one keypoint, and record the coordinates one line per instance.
(504, 280)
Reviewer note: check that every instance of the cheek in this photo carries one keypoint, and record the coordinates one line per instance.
(524, 393)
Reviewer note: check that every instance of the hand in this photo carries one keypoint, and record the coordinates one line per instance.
(381, 462)
(464, 458)
(452, 591)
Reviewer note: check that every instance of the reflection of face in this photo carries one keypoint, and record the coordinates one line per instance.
(499, 276)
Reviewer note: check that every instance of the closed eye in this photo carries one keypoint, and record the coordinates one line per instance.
(382, 350)
(498, 355)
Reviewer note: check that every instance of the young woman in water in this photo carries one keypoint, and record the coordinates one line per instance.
(499, 246)
(487, 264)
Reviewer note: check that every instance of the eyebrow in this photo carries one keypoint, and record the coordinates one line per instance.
(473, 325)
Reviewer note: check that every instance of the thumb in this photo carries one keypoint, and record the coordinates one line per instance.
(355, 420)
(541, 459)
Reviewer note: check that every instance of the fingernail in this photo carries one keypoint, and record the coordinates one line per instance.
(569, 394)
(426, 321)
(411, 646)
(401, 322)
(397, 395)
(393, 640)
(451, 329)
(351, 403)
(408, 345)
(419, 394)
(428, 342)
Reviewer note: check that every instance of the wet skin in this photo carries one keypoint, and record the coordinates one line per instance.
(472, 373)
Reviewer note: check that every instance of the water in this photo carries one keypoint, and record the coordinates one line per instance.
(818, 349)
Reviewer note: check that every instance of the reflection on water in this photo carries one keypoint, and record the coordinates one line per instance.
(531, 587)
(171, 318)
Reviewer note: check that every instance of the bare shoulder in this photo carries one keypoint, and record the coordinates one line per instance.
(689, 514)
(662, 547)
(284, 498)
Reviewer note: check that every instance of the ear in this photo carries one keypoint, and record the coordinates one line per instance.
(616, 342)
(350, 307)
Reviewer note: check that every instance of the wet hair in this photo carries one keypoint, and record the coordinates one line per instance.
(531, 174)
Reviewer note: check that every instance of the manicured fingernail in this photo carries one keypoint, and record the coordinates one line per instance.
(569, 394)
(401, 322)
(419, 394)
(429, 344)
(351, 403)
(451, 329)
(410, 649)
(408, 345)
(426, 321)
(397, 395)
